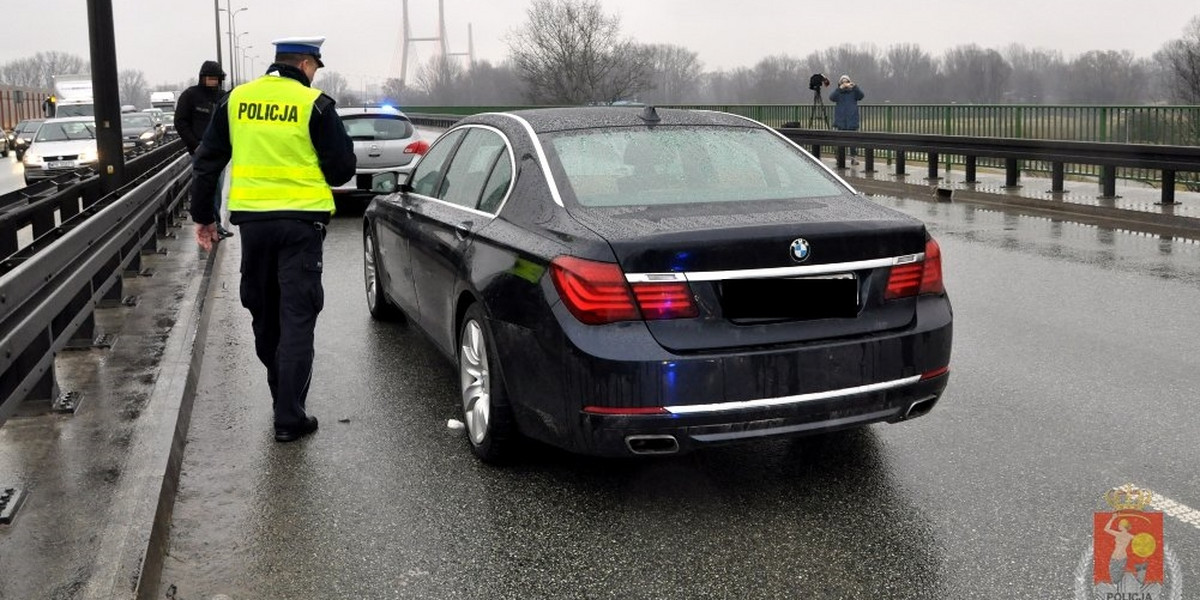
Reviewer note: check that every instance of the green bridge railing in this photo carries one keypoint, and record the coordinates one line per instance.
(1144, 124)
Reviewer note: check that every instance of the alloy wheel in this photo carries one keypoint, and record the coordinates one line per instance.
(476, 382)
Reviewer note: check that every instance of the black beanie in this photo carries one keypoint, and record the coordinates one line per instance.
(211, 68)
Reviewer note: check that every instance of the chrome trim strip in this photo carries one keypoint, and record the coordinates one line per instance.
(797, 271)
(541, 155)
(511, 182)
(785, 400)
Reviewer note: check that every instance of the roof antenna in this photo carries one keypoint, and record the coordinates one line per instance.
(649, 115)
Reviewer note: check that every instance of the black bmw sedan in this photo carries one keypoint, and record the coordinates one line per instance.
(622, 281)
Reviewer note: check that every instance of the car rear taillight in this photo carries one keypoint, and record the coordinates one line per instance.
(931, 276)
(665, 300)
(597, 293)
(419, 147)
(923, 277)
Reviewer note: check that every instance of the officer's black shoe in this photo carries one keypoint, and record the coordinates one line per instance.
(291, 434)
(224, 233)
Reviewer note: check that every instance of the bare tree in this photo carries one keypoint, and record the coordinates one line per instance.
(722, 87)
(40, 69)
(441, 78)
(973, 74)
(131, 85)
(1181, 60)
(675, 73)
(570, 52)
(1107, 77)
(779, 79)
(489, 85)
(1038, 74)
(333, 84)
(909, 73)
(394, 90)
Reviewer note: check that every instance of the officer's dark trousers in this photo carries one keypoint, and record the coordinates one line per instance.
(281, 287)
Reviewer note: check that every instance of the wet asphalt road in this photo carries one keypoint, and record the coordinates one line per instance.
(1075, 369)
(11, 174)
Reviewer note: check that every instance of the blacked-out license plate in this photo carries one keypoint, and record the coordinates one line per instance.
(816, 297)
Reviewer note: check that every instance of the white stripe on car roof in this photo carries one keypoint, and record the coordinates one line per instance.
(541, 155)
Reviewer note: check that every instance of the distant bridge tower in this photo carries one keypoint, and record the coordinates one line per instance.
(408, 40)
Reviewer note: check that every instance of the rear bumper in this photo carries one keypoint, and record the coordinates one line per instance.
(612, 435)
(584, 389)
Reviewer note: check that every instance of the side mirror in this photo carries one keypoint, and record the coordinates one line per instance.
(384, 183)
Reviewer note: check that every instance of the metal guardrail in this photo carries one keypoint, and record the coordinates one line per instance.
(434, 120)
(1168, 160)
(83, 245)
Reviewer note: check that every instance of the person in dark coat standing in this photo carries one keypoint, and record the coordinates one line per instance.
(194, 111)
(845, 111)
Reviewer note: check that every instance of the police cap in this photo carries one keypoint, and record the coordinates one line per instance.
(301, 45)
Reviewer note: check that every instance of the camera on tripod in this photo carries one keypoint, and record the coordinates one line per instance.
(817, 81)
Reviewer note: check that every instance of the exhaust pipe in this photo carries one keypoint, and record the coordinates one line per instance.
(652, 444)
(920, 407)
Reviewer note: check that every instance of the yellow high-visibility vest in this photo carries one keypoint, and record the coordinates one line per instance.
(274, 165)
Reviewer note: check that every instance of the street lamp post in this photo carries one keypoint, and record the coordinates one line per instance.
(217, 22)
(232, 15)
(236, 54)
(246, 73)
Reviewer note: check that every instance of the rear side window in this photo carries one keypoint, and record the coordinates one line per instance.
(428, 174)
(679, 165)
(472, 166)
(377, 127)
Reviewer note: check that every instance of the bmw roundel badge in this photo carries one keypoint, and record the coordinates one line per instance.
(800, 250)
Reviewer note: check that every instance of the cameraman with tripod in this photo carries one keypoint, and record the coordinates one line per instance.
(845, 110)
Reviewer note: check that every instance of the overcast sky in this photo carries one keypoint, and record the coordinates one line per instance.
(168, 39)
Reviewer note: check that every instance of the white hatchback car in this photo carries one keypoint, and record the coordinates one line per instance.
(60, 146)
(384, 141)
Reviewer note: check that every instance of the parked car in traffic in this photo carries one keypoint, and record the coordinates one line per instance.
(6, 142)
(384, 140)
(138, 129)
(23, 135)
(627, 281)
(60, 146)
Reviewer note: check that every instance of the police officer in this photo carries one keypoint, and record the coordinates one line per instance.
(288, 147)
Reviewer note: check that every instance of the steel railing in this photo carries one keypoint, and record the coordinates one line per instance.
(83, 243)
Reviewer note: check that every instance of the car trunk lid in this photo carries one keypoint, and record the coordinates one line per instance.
(745, 274)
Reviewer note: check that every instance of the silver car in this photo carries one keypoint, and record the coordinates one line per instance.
(61, 146)
(384, 140)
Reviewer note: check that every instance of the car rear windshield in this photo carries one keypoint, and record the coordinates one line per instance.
(138, 121)
(58, 132)
(28, 126)
(377, 127)
(683, 165)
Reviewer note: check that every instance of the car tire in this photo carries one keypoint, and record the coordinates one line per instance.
(491, 429)
(378, 305)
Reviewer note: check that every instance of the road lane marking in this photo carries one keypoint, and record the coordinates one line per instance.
(1173, 508)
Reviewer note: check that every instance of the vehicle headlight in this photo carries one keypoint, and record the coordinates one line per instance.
(32, 159)
(147, 135)
(88, 156)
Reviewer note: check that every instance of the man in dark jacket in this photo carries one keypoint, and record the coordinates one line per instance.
(194, 111)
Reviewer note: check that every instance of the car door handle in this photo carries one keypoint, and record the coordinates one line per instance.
(462, 230)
